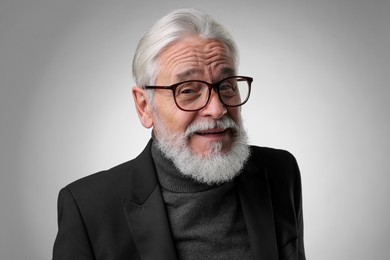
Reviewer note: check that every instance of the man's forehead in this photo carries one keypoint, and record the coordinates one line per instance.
(196, 72)
(195, 58)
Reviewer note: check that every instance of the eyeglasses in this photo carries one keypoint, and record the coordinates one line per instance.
(193, 95)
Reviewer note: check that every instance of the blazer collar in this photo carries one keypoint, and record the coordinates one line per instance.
(256, 204)
(145, 211)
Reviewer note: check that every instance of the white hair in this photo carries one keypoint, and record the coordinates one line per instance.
(171, 28)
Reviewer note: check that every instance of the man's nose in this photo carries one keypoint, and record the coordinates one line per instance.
(214, 107)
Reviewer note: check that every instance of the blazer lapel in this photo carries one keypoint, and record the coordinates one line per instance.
(145, 211)
(257, 209)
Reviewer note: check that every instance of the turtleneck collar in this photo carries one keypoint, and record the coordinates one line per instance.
(170, 178)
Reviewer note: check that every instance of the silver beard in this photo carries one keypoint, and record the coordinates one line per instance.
(215, 168)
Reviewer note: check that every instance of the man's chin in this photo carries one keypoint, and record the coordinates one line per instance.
(211, 162)
(210, 150)
(202, 147)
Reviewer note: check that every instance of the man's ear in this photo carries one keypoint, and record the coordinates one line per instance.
(142, 106)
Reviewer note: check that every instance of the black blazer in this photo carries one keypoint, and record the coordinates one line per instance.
(120, 213)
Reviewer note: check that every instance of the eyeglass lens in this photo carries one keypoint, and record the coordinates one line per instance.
(193, 95)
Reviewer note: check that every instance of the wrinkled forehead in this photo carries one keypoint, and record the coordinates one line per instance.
(193, 57)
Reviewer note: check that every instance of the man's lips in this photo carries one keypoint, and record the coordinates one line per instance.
(212, 132)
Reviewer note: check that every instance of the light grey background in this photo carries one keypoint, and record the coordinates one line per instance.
(321, 91)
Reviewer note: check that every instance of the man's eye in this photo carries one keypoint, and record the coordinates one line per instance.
(224, 87)
(189, 89)
(228, 88)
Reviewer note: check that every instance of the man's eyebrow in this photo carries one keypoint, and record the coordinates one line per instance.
(228, 71)
(186, 75)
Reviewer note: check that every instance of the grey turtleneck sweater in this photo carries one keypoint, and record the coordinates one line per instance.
(206, 221)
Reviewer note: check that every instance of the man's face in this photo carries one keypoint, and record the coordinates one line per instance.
(194, 59)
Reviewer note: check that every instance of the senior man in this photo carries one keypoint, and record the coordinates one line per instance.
(198, 190)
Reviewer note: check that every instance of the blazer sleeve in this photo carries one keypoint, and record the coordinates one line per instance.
(286, 193)
(72, 240)
(293, 249)
(298, 198)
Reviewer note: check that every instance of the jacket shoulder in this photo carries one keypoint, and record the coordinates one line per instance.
(98, 180)
(119, 181)
(90, 211)
(280, 165)
(271, 156)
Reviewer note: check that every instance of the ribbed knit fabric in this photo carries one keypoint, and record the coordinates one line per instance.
(206, 221)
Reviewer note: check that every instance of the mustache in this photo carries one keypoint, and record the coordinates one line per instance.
(203, 125)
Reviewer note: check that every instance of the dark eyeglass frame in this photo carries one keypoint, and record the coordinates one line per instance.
(211, 86)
